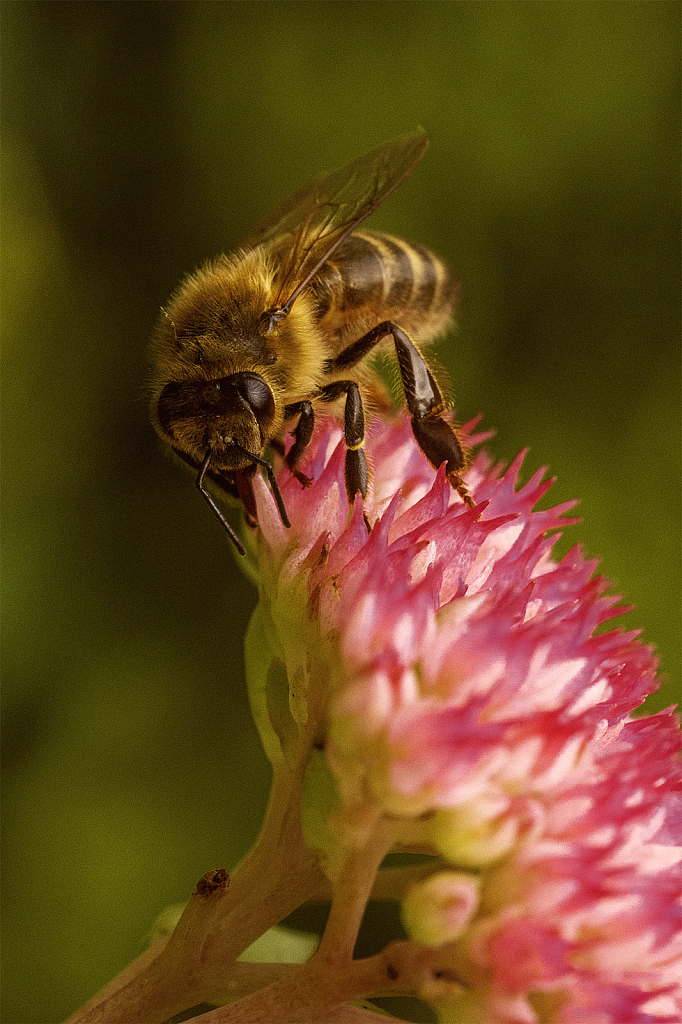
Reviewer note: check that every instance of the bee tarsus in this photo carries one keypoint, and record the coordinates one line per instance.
(355, 474)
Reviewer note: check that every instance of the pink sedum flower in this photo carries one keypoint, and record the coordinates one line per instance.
(449, 669)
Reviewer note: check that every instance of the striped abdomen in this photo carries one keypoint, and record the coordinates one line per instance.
(375, 277)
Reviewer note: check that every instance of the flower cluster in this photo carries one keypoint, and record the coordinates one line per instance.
(452, 672)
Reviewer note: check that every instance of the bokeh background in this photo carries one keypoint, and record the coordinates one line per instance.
(140, 138)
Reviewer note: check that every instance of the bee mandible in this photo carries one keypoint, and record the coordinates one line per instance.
(262, 336)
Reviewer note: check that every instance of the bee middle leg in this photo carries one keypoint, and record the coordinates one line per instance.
(436, 438)
(355, 466)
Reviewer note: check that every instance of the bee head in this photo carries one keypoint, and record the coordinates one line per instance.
(230, 416)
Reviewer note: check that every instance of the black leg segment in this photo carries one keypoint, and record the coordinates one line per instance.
(355, 471)
(302, 435)
(440, 444)
(422, 394)
(355, 474)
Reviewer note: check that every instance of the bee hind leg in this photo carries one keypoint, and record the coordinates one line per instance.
(439, 443)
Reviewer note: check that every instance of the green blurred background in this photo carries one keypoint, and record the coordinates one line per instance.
(140, 138)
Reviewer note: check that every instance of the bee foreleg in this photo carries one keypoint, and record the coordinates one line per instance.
(302, 435)
(355, 468)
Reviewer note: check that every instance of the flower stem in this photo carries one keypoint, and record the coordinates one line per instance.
(331, 977)
(351, 893)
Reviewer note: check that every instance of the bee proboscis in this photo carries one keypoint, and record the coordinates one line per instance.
(264, 335)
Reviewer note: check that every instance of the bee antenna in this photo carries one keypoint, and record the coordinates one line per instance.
(267, 466)
(171, 321)
(272, 316)
(214, 508)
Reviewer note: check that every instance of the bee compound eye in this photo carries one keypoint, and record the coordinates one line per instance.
(257, 393)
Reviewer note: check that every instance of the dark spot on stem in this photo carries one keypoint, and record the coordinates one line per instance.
(217, 880)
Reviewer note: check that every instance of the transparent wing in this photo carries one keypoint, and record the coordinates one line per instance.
(304, 230)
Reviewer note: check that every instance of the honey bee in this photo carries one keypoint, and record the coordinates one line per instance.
(263, 336)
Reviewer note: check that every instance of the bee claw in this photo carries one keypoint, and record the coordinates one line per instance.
(304, 481)
(458, 485)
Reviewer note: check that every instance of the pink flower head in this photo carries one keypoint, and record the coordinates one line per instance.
(450, 670)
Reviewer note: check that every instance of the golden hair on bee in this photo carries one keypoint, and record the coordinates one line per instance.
(268, 333)
(213, 327)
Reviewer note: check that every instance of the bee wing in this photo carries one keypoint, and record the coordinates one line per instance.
(304, 230)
